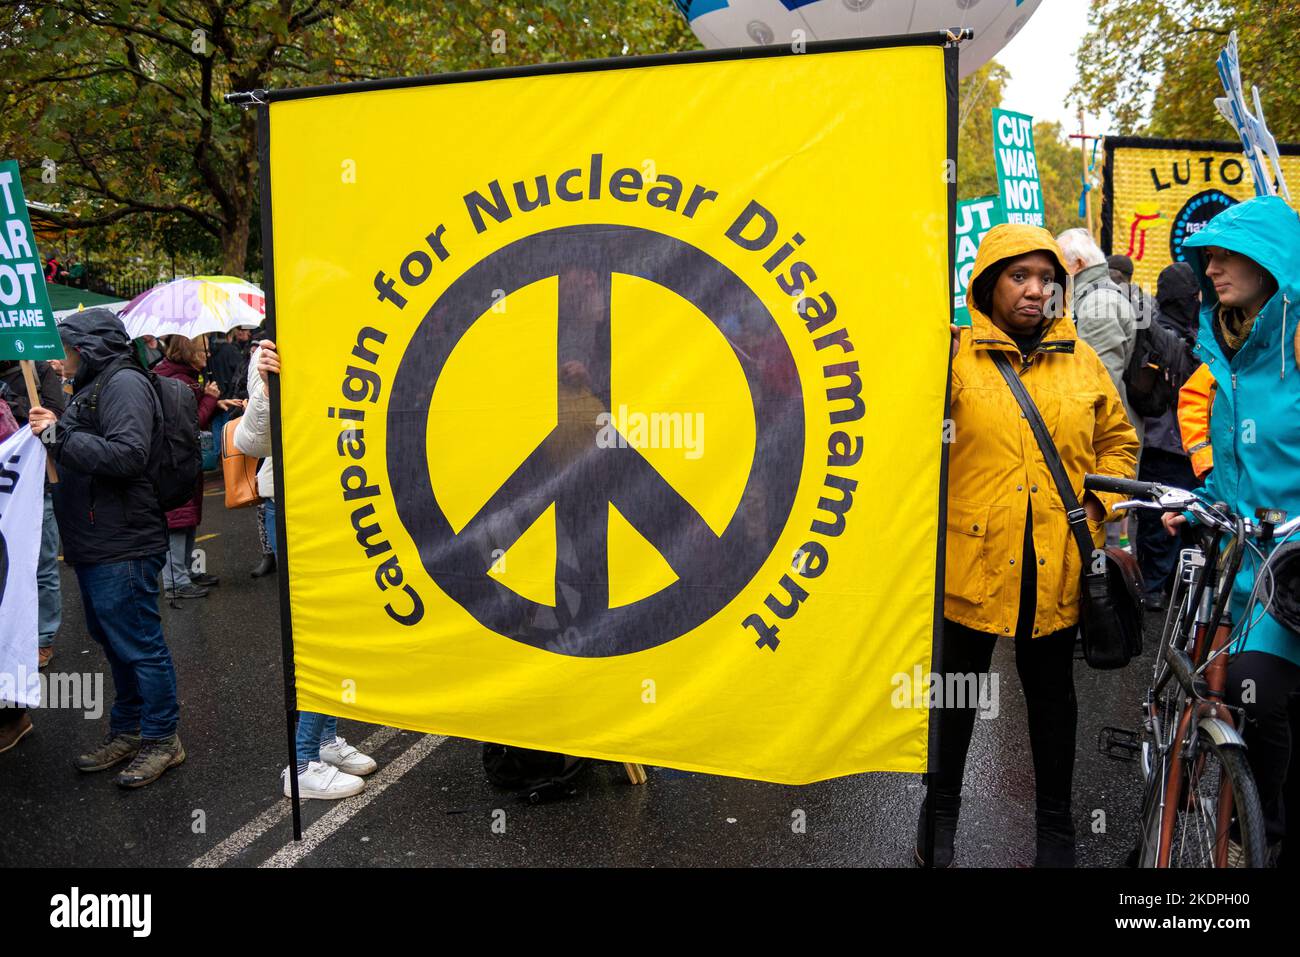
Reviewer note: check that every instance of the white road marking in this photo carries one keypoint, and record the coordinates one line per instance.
(345, 810)
(281, 810)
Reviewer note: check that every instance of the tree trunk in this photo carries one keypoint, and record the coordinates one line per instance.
(235, 230)
(234, 240)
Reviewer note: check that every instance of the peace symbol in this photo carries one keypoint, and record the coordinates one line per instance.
(581, 477)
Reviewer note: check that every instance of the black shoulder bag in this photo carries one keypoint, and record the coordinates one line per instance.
(1110, 593)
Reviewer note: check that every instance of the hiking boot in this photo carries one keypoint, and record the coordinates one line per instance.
(43, 656)
(155, 756)
(205, 581)
(341, 755)
(264, 567)
(324, 782)
(115, 749)
(12, 732)
(187, 591)
(1055, 830)
(946, 809)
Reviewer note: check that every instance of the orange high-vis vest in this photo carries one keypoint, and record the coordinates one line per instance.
(1194, 402)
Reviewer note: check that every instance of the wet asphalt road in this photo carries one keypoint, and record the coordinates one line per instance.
(429, 803)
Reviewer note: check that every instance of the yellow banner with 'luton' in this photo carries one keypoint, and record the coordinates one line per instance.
(613, 400)
(1158, 192)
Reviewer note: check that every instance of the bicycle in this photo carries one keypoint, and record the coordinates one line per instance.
(1200, 805)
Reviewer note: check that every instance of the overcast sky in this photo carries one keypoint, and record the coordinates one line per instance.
(1041, 60)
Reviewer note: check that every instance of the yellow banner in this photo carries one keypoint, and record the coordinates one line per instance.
(612, 406)
(1159, 192)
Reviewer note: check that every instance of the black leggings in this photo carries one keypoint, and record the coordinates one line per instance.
(1046, 668)
(1272, 723)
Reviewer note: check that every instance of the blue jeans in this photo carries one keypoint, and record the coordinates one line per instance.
(313, 731)
(121, 604)
(49, 597)
(218, 429)
(268, 523)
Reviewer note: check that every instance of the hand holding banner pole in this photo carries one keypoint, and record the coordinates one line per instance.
(34, 397)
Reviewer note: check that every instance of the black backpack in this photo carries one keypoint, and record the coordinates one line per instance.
(175, 466)
(536, 776)
(1161, 362)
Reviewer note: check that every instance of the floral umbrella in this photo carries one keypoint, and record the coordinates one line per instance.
(194, 306)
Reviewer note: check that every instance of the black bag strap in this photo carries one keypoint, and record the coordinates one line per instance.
(1074, 511)
(121, 362)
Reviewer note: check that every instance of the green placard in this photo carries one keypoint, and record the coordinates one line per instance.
(26, 323)
(1018, 185)
(975, 217)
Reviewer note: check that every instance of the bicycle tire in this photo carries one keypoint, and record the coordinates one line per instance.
(1249, 816)
(1144, 853)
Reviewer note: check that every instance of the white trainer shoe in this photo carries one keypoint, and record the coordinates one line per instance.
(346, 758)
(324, 782)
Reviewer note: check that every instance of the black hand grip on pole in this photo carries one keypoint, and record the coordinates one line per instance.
(1120, 486)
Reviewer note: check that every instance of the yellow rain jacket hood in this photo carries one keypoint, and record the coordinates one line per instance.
(997, 477)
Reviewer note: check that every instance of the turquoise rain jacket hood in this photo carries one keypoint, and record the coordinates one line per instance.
(1255, 420)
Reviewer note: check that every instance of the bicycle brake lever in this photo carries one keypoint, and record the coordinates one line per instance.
(1137, 503)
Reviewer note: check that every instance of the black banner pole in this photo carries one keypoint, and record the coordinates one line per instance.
(936, 647)
(277, 451)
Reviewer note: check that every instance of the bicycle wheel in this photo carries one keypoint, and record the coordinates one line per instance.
(1161, 730)
(1145, 852)
(1218, 802)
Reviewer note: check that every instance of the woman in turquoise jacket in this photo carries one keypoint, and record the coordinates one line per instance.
(1248, 259)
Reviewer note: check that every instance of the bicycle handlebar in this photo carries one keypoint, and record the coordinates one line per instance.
(1108, 483)
(1175, 499)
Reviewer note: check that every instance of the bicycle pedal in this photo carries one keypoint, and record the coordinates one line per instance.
(1119, 743)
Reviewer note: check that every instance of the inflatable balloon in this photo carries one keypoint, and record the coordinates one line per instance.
(740, 23)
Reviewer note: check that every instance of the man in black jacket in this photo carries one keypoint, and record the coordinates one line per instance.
(228, 363)
(49, 388)
(1178, 296)
(115, 537)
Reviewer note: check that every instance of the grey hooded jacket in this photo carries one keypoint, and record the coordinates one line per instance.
(1106, 322)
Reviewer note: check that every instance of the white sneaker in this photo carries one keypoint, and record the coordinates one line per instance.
(343, 756)
(324, 782)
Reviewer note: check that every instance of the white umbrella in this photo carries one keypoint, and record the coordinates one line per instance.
(194, 306)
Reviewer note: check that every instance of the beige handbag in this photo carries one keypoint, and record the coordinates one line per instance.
(238, 469)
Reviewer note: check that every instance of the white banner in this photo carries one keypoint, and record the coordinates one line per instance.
(22, 498)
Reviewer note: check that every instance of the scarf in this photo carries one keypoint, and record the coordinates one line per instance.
(1235, 326)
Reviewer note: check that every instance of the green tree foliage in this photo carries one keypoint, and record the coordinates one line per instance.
(1059, 164)
(1151, 64)
(980, 93)
(126, 96)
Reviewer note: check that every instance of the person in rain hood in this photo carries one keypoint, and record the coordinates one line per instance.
(115, 538)
(1164, 459)
(1248, 257)
(1012, 565)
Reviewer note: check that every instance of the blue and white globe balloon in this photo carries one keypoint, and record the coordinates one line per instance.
(740, 23)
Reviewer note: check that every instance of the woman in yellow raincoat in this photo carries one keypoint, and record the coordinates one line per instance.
(1012, 569)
